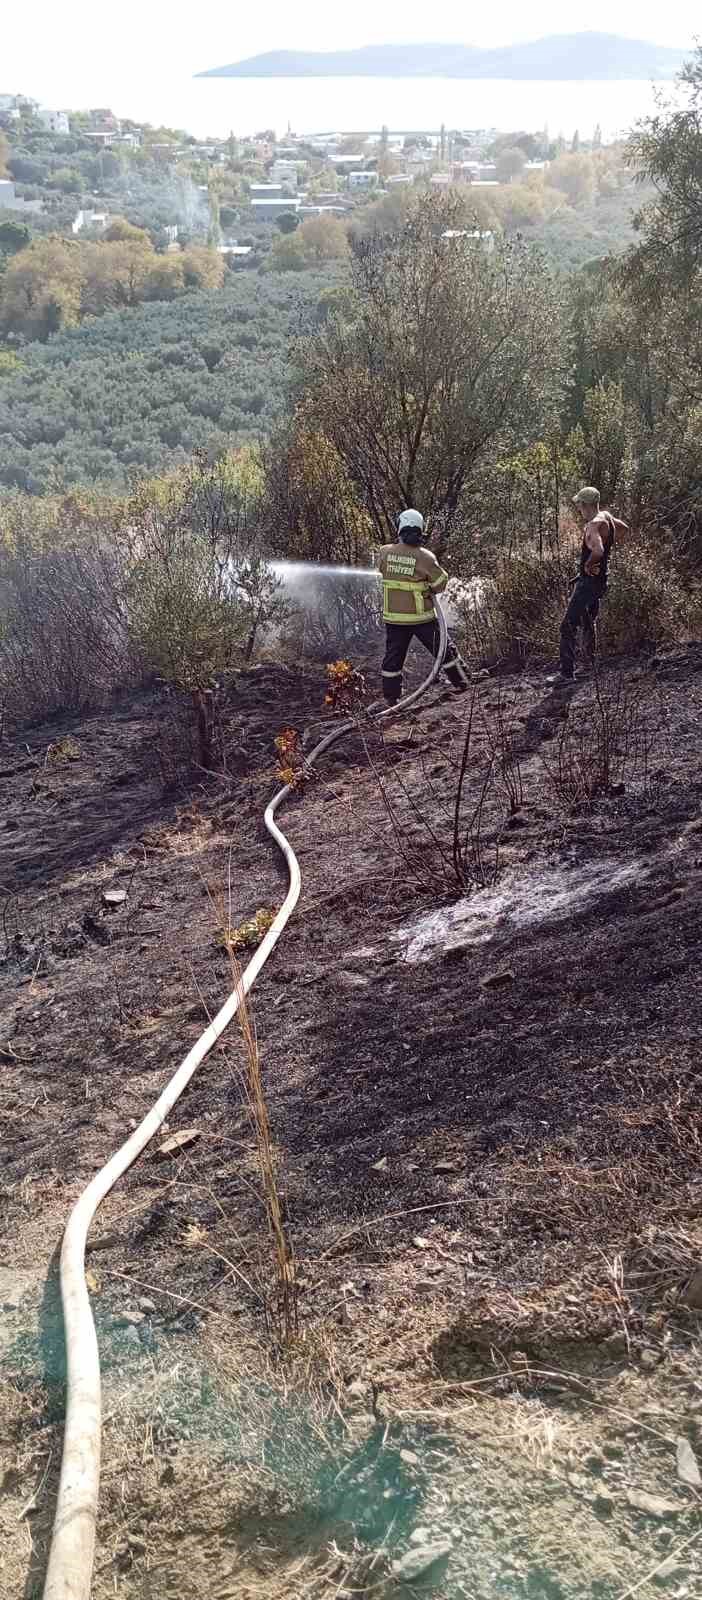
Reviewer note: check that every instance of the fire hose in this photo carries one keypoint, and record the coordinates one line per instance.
(70, 1566)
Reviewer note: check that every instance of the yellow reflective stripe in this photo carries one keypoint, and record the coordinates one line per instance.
(409, 616)
(423, 605)
(438, 582)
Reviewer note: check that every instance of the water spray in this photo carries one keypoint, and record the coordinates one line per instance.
(293, 572)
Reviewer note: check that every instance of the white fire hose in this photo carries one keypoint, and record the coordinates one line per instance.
(70, 1568)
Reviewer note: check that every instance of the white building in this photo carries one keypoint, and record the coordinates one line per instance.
(441, 180)
(266, 191)
(267, 210)
(363, 180)
(54, 121)
(312, 210)
(10, 200)
(399, 179)
(90, 219)
(419, 160)
(13, 104)
(478, 171)
(100, 137)
(486, 237)
(347, 163)
(284, 173)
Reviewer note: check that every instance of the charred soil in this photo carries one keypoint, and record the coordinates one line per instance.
(480, 1046)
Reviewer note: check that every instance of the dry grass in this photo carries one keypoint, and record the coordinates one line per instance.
(221, 1460)
(281, 1301)
(604, 744)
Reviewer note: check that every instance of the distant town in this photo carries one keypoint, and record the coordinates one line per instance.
(58, 156)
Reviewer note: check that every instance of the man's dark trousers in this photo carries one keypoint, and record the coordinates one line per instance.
(398, 638)
(582, 613)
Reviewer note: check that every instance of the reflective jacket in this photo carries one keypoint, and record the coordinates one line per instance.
(411, 577)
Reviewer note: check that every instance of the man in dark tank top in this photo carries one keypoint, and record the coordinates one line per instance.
(601, 530)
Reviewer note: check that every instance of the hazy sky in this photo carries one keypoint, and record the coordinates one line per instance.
(75, 52)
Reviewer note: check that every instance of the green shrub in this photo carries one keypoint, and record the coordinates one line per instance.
(648, 603)
(518, 609)
(515, 611)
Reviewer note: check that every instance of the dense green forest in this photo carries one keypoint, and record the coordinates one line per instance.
(143, 389)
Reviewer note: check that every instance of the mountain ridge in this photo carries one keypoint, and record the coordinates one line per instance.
(577, 56)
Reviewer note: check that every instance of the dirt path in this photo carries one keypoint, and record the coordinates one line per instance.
(488, 1132)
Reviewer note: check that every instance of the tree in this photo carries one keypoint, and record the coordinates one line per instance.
(510, 164)
(4, 153)
(516, 493)
(313, 510)
(324, 238)
(115, 274)
(575, 176)
(325, 181)
(447, 350)
(666, 149)
(199, 588)
(65, 179)
(41, 289)
(531, 145)
(389, 214)
(289, 253)
(637, 400)
(24, 170)
(519, 205)
(203, 268)
(120, 230)
(14, 236)
(165, 278)
(287, 222)
(597, 137)
(575, 146)
(603, 438)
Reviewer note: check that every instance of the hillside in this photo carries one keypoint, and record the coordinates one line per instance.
(142, 389)
(577, 56)
(487, 1125)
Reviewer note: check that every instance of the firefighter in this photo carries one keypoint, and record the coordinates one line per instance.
(411, 577)
(601, 530)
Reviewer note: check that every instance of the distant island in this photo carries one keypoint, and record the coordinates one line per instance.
(579, 56)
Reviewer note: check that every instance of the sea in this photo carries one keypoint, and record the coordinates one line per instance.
(215, 107)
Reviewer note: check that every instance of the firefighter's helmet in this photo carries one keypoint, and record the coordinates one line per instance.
(410, 527)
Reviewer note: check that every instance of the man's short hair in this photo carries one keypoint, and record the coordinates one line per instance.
(587, 496)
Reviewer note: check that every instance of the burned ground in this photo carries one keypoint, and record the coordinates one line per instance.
(488, 1138)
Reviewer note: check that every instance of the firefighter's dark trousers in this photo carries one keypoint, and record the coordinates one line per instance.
(582, 613)
(398, 638)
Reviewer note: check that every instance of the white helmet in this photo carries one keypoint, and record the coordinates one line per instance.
(410, 526)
